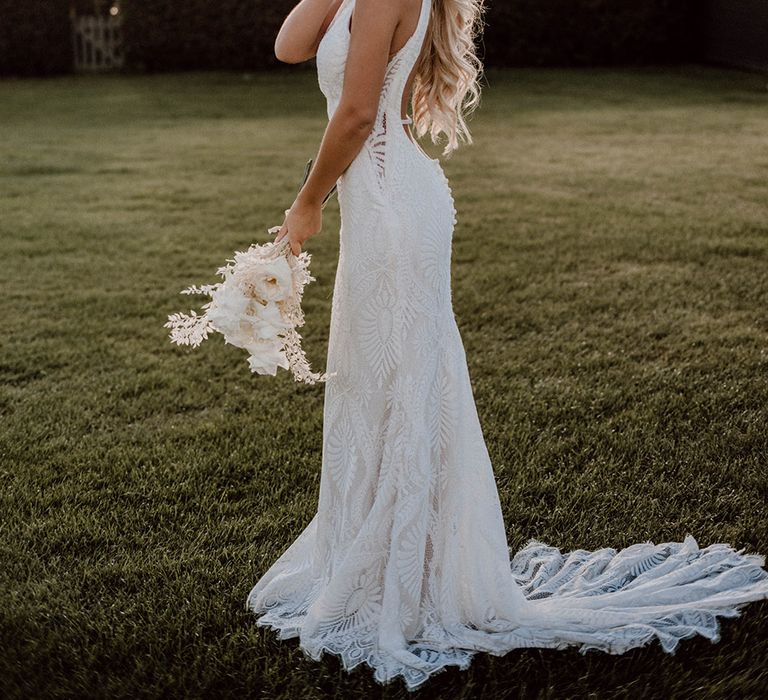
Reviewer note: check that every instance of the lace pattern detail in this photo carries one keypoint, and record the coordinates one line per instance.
(405, 566)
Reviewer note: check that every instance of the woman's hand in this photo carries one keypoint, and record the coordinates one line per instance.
(302, 221)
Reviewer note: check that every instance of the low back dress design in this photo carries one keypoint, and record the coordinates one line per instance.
(405, 565)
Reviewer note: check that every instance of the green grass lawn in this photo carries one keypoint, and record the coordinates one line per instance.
(610, 279)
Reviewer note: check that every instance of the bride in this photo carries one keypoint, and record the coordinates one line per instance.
(406, 565)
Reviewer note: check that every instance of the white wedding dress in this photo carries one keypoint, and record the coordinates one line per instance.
(406, 565)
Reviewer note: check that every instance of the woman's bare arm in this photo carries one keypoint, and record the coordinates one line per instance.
(300, 34)
(373, 27)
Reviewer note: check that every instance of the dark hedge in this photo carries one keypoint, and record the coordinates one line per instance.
(168, 35)
(35, 37)
(590, 32)
(239, 34)
(173, 35)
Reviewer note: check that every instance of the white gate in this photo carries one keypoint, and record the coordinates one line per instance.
(98, 42)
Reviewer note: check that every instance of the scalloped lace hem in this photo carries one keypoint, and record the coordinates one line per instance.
(600, 600)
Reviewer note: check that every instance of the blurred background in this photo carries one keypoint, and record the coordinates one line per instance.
(43, 37)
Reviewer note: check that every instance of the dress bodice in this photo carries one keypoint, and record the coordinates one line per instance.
(390, 160)
(332, 60)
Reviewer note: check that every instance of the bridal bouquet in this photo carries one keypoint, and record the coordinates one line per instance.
(256, 307)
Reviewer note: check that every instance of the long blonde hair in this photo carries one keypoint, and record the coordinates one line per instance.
(446, 86)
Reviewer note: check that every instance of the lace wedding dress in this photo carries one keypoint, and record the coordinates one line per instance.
(406, 566)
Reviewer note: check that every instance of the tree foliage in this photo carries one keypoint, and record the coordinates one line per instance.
(35, 37)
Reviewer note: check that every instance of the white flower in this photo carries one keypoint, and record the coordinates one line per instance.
(256, 307)
(266, 357)
(226, 312)
(270, 280)
(269, 321)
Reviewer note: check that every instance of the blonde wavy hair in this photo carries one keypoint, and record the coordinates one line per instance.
(446, 86)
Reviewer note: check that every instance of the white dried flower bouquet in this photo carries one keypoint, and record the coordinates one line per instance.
(257, 307)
